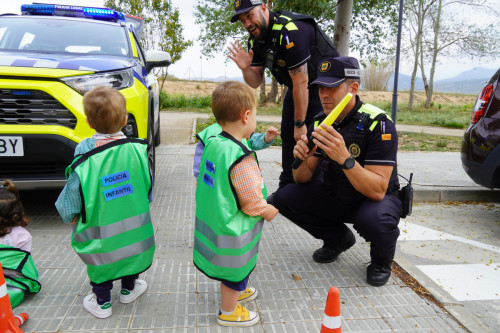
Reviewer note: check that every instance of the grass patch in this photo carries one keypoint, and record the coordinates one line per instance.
(440, 115)
(182, 102)
(407, 141)
(451, 116)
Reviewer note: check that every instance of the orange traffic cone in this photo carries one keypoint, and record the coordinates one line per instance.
(331, 320)
(8, 322)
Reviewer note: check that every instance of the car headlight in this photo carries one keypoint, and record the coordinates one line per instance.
(83, 83)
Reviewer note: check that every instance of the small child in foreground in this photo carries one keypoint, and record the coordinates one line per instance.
(12, 219)
(106, 199)
(231, 204)
(257, 141)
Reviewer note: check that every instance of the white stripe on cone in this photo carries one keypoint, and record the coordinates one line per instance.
(331, 322)
(3, 290)
(21, 319)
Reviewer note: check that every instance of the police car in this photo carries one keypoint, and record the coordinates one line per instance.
(50, 56)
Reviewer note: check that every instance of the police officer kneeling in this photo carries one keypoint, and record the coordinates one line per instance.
(348, 177)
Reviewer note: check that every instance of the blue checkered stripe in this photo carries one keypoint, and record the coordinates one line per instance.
(16, 61)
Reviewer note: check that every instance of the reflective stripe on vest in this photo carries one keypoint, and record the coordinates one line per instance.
(96, 259)
(101, 232)
(228, 242)
(225, 261)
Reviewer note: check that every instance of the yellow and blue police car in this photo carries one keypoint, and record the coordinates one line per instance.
(49, 57)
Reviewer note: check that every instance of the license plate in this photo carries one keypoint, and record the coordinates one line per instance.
(11, 146)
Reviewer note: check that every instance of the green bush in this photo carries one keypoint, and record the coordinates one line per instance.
(181, 101)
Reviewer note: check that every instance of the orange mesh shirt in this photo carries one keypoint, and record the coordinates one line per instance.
(247, 181)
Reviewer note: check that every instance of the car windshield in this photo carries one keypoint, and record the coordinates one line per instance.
(42, 34)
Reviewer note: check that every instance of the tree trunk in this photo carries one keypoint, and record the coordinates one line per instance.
(263, 91)
(284, 89)
(273, 94)
(435, 51)
(419, 18)
(342, 32)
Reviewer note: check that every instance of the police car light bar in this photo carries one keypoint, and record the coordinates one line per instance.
(73, 11)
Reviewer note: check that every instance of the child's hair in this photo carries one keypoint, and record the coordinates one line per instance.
(105, 108)
(11, 208)
(230, 99)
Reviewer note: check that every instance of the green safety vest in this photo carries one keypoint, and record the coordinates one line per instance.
(20, 273)
(213, 131)
(226, 239)
(114, 233)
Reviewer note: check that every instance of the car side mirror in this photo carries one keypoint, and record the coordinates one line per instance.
(157, 59)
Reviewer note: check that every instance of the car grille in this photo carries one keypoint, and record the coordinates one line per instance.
(33, 107)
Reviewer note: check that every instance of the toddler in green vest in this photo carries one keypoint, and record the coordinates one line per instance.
(231, 204)
(107, 198)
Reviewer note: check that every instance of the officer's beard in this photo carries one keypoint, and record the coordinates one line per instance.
(262, 28)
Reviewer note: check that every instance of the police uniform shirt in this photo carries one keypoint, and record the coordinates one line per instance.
(369, 147)
(295, 46)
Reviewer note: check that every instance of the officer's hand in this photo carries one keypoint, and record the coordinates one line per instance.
(331, 142)
(298, 132)
(238, 54)
(301, 150)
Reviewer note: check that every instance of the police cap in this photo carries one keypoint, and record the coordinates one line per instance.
(332, 72)
(243, 6)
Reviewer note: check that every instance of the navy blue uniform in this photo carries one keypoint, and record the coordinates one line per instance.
(325, 203)
(299, 45)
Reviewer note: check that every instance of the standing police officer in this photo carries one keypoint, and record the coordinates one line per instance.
(290, 45)
(349, 177)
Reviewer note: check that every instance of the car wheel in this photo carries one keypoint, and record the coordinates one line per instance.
(152, 152)
(158, 134)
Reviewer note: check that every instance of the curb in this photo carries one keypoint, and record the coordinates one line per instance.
(454, 308)
(445, 193)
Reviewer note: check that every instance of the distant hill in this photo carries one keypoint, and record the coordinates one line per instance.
(468, 82)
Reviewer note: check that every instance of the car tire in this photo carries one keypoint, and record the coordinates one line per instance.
(151, 151)
(158, 134)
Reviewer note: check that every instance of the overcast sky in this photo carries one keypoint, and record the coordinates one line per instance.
(192, 66)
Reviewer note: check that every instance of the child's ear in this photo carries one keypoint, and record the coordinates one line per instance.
(125, 120)
(244, 116)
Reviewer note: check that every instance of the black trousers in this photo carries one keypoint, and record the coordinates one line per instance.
(288, 126)
(311, 207)
(103, 290)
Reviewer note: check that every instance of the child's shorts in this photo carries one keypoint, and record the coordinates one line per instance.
(238, 286)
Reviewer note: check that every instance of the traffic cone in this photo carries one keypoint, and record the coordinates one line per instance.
(331, 320)
(8, 322)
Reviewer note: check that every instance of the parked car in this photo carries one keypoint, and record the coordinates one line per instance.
(481, 143)
(50, 56)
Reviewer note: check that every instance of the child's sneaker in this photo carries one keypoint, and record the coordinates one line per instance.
(128, 296)
(240, 317)
(100, 311)
(248, 295)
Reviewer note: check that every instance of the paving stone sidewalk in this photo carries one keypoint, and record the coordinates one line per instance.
(292, 288)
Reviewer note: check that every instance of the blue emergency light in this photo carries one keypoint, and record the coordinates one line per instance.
(73, 11)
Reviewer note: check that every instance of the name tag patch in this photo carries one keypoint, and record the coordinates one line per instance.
(207, 179)
(115, 178)
(386, 137)
(210, 167)
(118, 192)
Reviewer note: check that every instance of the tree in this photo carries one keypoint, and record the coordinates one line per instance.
(213, 18)
(162, 27)
(435, 31)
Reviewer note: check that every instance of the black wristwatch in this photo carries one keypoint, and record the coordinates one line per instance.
(349, 163)
(299, 123)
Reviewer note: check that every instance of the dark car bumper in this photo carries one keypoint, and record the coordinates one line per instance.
(486, 174)
(44, 162)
